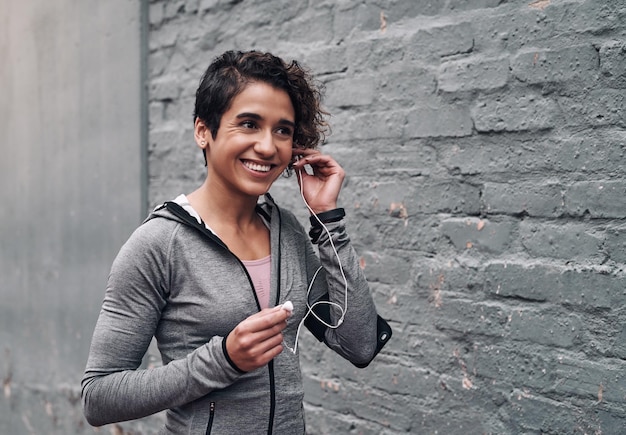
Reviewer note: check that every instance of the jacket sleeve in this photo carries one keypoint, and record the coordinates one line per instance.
(114, 387)
(355, 338)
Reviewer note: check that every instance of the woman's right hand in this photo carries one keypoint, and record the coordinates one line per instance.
(258, 339)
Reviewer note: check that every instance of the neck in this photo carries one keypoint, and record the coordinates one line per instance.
(219, 208)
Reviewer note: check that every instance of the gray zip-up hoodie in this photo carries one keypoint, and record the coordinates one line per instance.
(176, 281)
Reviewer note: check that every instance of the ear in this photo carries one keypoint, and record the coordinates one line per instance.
(202, 134)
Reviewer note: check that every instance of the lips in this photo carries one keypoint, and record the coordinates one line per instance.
(256, 166)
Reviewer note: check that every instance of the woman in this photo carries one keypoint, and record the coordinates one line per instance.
(208, 274)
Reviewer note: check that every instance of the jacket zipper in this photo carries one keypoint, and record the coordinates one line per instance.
(211, 415)
(178, 211)
(270, 428)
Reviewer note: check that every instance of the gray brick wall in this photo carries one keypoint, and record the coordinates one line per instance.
(484, 143)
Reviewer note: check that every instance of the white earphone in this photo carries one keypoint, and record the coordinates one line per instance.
(288, 305)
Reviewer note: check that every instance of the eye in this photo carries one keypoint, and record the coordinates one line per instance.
(248, 124)
(284, 131)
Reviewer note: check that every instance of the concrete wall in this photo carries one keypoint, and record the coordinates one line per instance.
(70, 183)
(484, 142)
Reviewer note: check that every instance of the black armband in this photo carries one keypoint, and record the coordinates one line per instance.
(326, 217)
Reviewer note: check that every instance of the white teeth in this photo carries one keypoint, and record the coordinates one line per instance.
(257, 167)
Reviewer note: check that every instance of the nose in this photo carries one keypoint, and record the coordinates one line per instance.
(265, 145)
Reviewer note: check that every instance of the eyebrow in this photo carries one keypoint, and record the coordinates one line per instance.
(258, 117)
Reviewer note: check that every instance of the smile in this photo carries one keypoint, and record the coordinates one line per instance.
(256, 166)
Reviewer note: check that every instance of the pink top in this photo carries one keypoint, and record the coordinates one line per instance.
(260, 272)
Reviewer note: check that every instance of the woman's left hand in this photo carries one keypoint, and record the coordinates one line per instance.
(321, 189)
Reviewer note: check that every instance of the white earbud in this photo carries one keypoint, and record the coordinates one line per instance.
(288, 306)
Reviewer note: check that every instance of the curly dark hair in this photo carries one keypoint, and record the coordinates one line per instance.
(231, 72)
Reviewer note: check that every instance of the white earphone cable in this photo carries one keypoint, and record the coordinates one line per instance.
(343, 310)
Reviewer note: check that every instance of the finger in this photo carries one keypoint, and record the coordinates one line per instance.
(267, 355)
(265, 319)
(242, 337)
(303, 152)
(320, 163)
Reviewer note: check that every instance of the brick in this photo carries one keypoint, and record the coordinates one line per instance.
(191, 6)
(544, 65)
(266, 15)
(515, 113)
(168, 152)
(458, 423)
(435, 280)
(206, 5)
(373, 403)
(512, 30)
(156, 13)
(535, 199)
(591, 288)
(601, 199)
(571, 242)
(513, 366)
(395, 304)
(165, 88)
(478, 234)
(159, 61)
(411, 158)
(587, 17)
(470, 318)
(462, 5)
(173, 9)
(351, 17)
(532, 412)
(404, 198)
(546, 328)
(327, 60)
(534, 282)
(291, 29)
(156, 112)
(371, 55)
(601, 152)
(527, 26)
(531, 283)
(390, 234)
(396, 10)
(356, 160)
(393, 234)
(163, 37)
(611, 420)
(485, 154)
(473, 73)
(599, 107)
(616, 244)
(613, 63)
(369, 125)
(387, 268)
(406, 83)
(438, 122)
(618, 347)
(589, 379)
(440, 41)
(321, 421)
(351, 91)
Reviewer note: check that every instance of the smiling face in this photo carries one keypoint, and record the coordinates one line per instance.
(253, 143)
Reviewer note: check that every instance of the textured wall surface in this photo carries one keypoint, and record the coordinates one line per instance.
(484, 143)
(70, 164)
